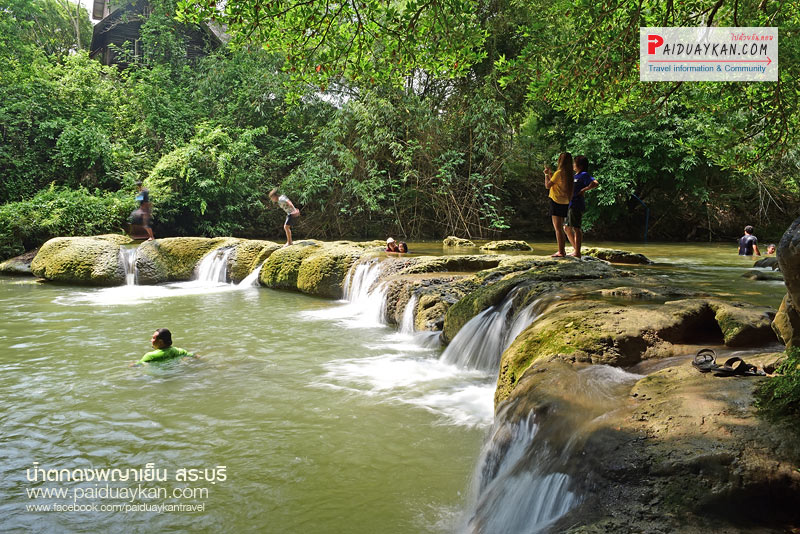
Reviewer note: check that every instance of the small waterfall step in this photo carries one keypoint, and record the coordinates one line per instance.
(214, 266)
(127, 257)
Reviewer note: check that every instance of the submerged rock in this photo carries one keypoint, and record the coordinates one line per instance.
(507, 244)
(771, 262)
(617, 256)
(755, 274)
(19, 265)
(453, 241)
(91, 261)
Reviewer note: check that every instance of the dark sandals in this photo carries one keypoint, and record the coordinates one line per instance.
(706, 360)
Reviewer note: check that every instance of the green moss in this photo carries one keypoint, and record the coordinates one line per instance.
(248, 255)
(81, 260)
(453, 241)
(323, 272)
(438, 264)
(508, 244)
(281, 269)
(779, 396)
(175, 258)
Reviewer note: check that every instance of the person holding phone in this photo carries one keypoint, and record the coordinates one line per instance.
(560, 184)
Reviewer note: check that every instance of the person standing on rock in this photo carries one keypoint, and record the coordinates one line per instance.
(583, 182)
(748, 243)
(292, 213)
(560, 185)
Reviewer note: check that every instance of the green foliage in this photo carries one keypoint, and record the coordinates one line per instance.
(51, 27)
(215, 184)
(388, 162)
(57, 211)
(375, 43)
(779, 396)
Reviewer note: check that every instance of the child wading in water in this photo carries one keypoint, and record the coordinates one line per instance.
(292, 213)
(162, 342)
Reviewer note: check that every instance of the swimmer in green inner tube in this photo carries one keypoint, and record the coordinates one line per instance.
(162, 342)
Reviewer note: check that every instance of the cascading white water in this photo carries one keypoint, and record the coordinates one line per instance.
(481, 342)
(407, 322)
(251, 280)
(515, 493)
(127, 257)
(214, 266)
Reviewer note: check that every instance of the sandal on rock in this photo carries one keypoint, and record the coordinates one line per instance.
(705, 360)
(733, 367)
(752, 370)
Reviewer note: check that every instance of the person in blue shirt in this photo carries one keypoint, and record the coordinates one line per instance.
(583, 182)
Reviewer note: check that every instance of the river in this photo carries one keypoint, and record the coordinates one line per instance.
(325, 419)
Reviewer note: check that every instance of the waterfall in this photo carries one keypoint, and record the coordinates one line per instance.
(127, 257)
(518, 488)
(367, 301)
(407, 322)
(251, 280)
(481, 342)
(214, 266)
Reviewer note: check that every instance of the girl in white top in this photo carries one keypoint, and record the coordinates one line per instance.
(292, 213)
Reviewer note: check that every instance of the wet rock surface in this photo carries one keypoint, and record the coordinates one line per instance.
(174, 259)
(599, 331)
(680, 451)
(453, 241)
(92, 261)
(508, 244)
(616, 256)
(19, 265)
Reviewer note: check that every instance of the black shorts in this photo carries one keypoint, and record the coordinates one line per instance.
(558, 210)
(290, 220)
(574, 218)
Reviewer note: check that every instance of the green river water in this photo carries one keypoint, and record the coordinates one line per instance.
(324, 420)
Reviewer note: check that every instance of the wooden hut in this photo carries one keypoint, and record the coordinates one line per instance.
(120, 25)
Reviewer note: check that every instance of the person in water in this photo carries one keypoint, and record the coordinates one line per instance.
(140, 217)
(560, 186)
(292, 213)
(162, 342)
(391, 245)
(402, 248)
(748, 243)
(583, 182)
(771, 249)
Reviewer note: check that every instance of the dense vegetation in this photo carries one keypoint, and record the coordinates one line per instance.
(396, 125)
(779, 396)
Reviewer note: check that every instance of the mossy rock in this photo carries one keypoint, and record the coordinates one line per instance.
(601, 332)
(536, 275)
(324, 271)
(507, 244)
(786, 324)
(19, 265)
(93, 261)
(174, 259)
(453, 241)
(282, 268)
(248, 255)
(616, 256)
(437, 264)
